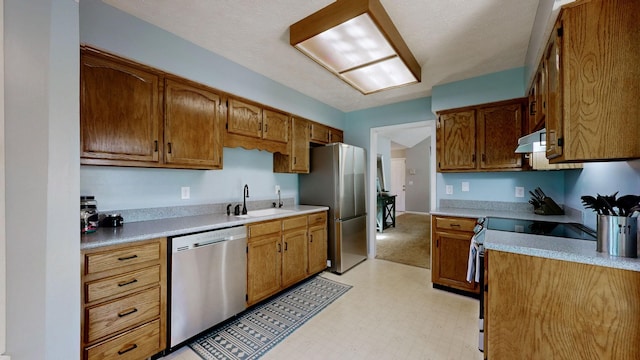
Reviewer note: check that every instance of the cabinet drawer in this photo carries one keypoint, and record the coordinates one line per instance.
(317, 218)
(294, 222)
(461, 224)
(264, 228)
(122, 283)
(108, 260)
(139, 343)
(111, 317)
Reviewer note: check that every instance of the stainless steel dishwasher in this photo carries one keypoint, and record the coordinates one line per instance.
(208, 274)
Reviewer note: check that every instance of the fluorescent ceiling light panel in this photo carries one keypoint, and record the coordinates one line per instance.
(356, 40)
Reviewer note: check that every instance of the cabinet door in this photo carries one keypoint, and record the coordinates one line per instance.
(541, 96)
(554, 118)
(275, 126)
(244, 119)
(263, 267)
(317, 248)
(192, 133)
(319, 133)
(294, 256)
(456, 137)
(499, 128)
(335, 136)
(119, 110)
(450, 259)
(299, 146)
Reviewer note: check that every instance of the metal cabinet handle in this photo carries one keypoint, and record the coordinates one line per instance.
(286, 246)
(169, 145)
(132, 347)
(311, 238)
(127, 257)
(127, 312)
(279, 247)
(454, 225)
(125, 283)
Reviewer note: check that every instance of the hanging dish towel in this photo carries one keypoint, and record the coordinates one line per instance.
(474, 259)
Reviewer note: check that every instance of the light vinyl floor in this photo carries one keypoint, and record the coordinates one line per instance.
(392, 312)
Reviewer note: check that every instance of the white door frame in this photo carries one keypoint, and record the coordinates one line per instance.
(399, 189)
(373, 146)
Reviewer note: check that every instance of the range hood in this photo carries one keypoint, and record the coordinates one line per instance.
(534, 142)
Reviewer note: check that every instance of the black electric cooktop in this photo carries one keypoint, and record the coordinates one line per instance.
(547, 228)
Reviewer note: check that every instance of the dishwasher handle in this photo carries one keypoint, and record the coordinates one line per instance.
(200, 240)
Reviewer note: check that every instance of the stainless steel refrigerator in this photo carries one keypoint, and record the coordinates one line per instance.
(337, 180)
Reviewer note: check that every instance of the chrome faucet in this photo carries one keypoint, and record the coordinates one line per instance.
(279, 200)
(244, 199)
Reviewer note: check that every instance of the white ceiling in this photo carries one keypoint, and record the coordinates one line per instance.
(451, 39)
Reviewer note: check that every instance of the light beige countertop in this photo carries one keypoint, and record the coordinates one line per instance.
(580, 251)
(144, 230)
(525, 215)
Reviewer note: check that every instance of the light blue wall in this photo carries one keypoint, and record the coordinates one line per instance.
(603, 178)
(498, 86)
(114, 186)
(500, 186)
(129, 188)
(358, 124)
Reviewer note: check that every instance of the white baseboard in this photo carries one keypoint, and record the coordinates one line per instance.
(5, 357)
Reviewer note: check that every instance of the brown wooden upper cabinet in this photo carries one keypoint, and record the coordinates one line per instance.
(120, 113)
(323, 134)
(296, 160)
(480, 138)
(538, 99)
(252, 126)
(121, 116)
(592, 59)
(192, 125)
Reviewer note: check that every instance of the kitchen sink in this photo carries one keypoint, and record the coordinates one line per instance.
(265, 212)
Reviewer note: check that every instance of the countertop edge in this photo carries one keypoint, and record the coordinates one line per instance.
(578, 251)
(151, 229)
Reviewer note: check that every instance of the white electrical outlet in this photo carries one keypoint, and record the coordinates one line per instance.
(449, 189)
(185, 192)
(465, 186)
(519, 191)
(277, 188)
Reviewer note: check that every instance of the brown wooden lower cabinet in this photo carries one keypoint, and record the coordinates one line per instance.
(543, 308)
(450, 240)
(124, 300)
(280, 253)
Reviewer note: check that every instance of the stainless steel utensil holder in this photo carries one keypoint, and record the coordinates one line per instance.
(618, 235)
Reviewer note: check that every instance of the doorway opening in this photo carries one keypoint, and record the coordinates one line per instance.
(410, 180)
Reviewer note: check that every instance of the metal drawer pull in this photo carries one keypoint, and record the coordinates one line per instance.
(127, 257)
(134, 346)
(311, 238)
(286, 246)
(125, 283)
(454, 225)
(127, 312)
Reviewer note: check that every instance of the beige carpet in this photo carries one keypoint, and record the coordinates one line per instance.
(408, 243)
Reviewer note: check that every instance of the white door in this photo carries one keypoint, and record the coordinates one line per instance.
(397, 181)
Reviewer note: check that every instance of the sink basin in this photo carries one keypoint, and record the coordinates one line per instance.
(265, 212)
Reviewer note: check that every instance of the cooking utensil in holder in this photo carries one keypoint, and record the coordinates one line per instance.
(618, 235)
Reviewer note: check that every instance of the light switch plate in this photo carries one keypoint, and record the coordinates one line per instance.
(185, 193)
(277, 188)
(465, 186)
(449, 189)
(519, 191)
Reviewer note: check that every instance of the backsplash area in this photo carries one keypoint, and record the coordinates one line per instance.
(515, 207)
(134, 215)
